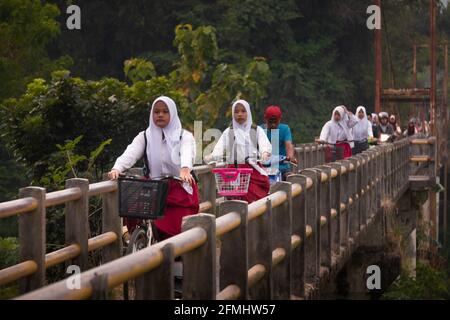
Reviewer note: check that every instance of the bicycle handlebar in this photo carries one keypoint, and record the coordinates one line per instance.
(134, 176)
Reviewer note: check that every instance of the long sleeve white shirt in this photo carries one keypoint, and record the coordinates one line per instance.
(135, 151)
(220, 149)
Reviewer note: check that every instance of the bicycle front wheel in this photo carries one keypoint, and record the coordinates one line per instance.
(138, 241)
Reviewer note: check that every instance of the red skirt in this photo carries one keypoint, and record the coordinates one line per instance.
(346, 147)
(179, 203)
(259, 185)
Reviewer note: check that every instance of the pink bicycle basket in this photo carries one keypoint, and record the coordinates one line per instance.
(232, 181)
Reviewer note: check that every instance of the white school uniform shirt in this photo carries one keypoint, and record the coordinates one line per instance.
(135, 151)
(220, 149)
(334, 131)
(363, 129)
(242, 141)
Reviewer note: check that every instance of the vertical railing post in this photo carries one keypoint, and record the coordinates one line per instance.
(336, 187)
(325, 213)
(260, 252)
(158, 284)
(199, 265)
(111, 222)
(372, 182)
(234, 250)
(360, 191)
(282, 238)
(308, 155)
(298, 228)
(366, 188)
(77, 221)
(344, 206)
(32, 238)
(354, 202)
(432, 165)
(208, 185)
(313, 222)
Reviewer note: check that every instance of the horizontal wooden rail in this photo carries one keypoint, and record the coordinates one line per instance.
(19, 206)
(60, 197)
(62, 255)
(422, 141)
(54, 258)
(420, 158)
(122, 269)
(102, 240)
(17, 271)
(99, 188)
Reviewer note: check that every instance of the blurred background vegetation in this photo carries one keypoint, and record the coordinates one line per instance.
(71, 100)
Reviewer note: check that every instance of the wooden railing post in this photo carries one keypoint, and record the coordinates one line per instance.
(353, 206)
(366, 188)
(298, 228)
(199, 266)
(433, 164)
(345, 195)
(111, 222)
(312, 243)
(335, 203)
(32, 238)
(77, 223)
(158, 284)
(260, 252)
(325, 212)
(281, 238)
(208, 185)
(371, 182)
(360, 191)
(315, 154)
(234, 250)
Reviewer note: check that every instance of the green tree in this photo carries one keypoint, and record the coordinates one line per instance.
(50, 113)
(26, 28)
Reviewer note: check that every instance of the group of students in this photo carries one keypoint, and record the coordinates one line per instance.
(347, 134)
(171, 150)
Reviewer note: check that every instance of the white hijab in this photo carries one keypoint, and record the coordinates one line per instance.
(242, 131)
(335, 127)
(360, 130)
(172, 143)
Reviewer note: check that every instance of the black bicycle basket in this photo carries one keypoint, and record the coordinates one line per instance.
(143, 199)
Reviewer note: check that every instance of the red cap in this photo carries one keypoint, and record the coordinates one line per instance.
(272, 112)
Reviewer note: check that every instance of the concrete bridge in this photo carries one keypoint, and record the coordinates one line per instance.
(327, 223)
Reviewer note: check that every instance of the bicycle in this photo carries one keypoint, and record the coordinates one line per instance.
(143, 199)
(274, 172)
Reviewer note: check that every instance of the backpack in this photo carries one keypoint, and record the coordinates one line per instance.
(231, 139)
(146, 169)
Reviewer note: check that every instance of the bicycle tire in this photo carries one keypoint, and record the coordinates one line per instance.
(138, 241)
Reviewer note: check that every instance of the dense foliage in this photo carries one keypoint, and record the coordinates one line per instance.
(71, 100)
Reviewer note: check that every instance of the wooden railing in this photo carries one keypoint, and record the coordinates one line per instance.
(267, 250)
(31, 209)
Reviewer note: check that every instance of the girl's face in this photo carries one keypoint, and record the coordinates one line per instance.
(361, 114)
(161, 114)
(240, 114)
(337, 116)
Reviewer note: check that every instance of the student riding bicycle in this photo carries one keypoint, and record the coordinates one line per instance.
(170, 151)
(244, 143)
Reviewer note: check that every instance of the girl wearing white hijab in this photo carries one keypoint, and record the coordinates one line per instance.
(170, 151)
(243, 143)
(337, 132)
(362, 131)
